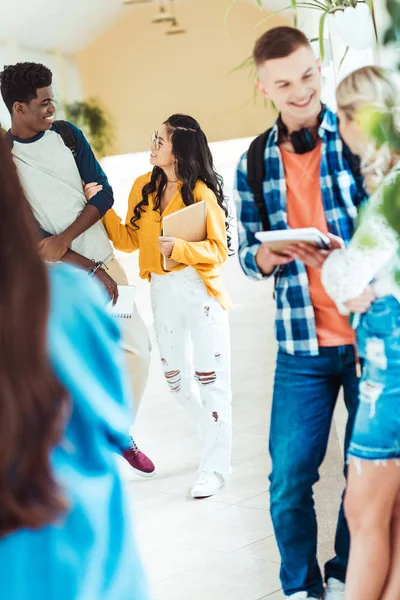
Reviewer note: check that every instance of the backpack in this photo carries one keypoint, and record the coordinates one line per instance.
(65, 132)
(256, 175)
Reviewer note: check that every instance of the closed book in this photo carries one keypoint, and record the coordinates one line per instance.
(189, 224)
(279, 239)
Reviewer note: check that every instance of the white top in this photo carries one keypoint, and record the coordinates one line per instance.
(371, 257)
(53, 186)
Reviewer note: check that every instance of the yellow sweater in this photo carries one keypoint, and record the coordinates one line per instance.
(206, 257)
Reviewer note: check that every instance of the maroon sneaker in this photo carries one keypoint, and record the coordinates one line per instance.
(140, 463)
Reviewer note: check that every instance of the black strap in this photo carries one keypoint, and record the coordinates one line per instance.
(256, 175)
(65, 132)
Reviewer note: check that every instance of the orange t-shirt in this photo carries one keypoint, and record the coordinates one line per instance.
(305, 209)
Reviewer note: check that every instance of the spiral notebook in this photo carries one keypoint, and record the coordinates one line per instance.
(123, 309)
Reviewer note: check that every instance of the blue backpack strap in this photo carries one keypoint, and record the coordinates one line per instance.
(256, 175)
(65, 132)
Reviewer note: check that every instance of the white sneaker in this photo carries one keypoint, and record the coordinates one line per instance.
(334, 590)
(207, 484)
(298, 596)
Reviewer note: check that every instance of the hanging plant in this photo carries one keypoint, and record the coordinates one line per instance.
(95, 123)
(354, 18)
(383, 127)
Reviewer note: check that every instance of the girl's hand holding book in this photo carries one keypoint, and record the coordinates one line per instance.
(166, 245)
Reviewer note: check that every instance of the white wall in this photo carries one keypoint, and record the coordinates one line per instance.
(66, 81)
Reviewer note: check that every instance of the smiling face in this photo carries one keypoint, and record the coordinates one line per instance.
(38, 114)
(161, 149)
(293, 83)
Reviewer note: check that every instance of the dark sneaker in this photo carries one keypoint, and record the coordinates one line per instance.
(140, 463)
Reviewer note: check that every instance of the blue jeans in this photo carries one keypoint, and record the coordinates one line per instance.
(376, 434)
(305, 394)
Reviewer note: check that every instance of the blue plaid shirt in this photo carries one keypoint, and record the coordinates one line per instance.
(342, 193)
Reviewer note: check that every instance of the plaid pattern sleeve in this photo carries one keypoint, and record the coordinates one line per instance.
(248, 222)
(341, 193)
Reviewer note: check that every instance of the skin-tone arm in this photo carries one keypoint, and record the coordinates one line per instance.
(81, 262)
(54, 248)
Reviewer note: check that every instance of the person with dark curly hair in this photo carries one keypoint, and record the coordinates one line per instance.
(69, 224)
(188, 299)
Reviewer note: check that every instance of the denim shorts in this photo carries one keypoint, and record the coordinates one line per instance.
(376, 434)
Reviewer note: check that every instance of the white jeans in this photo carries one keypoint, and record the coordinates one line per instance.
(193, 337)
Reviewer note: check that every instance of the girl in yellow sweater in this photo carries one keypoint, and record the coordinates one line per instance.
(189, 302)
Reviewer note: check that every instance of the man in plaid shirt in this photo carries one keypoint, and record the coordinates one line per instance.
(310, 181)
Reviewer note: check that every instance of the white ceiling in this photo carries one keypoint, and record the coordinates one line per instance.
(67, 24)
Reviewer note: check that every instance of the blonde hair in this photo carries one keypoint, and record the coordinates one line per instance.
(370, 87)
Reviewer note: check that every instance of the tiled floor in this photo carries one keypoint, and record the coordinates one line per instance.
(221, 548)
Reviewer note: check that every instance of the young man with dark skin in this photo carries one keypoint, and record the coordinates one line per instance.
(311, 180)
(70, 222)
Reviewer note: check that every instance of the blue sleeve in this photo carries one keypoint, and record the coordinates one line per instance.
(43, 234)
(90, 171)
(86, 353)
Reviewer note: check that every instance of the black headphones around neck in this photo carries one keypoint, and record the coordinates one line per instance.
(304, 140)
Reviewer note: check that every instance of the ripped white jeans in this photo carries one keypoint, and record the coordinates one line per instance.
(192, 332)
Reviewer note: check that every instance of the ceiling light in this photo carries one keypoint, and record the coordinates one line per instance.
(175, 28)
(163, 16)
(136, 2)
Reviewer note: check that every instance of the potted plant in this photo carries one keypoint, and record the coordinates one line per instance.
(354, 19)
(94, 121)
(384, 128)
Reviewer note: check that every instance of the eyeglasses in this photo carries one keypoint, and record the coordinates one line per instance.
(155, 140)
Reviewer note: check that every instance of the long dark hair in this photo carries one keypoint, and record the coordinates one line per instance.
(194, 162)
(33, 403)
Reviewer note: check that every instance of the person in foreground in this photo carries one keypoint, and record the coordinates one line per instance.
(189, 302)
(367, 269)
(65, 529)
(311, 180)
(52, 168)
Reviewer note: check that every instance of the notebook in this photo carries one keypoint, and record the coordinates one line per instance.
(279, 240)
(123, 309)
(189, 224)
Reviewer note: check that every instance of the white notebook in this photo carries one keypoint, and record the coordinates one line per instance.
(278, 240)
(123, 309)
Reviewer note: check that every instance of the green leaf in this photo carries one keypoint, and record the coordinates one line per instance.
(391, 204)
(343, 57)
(260, 4)
(246, 64)
(389, 37)
(380, 125)
(313, 5)
(228, 10)
(370, 4)
(294, 8)
(321, 36)
(276, 12)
